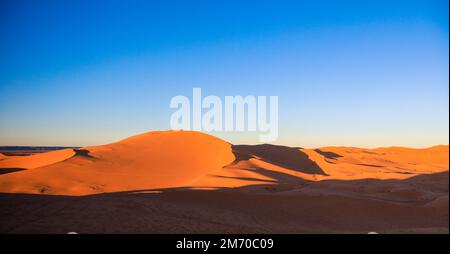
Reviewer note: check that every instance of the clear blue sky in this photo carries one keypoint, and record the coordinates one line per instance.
(356, 73)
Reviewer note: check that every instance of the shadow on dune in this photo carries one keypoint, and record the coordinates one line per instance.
(370, 165)
(10, 170)
(328, 155)
(280, 178)
(83, 153)
(436, 182)
(247, 179)
(288, 157)
(249, 209)
(277, 177)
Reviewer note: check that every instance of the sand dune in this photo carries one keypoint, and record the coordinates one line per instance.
(191, 159)
(150, 160)
(226, 188)
(35, 160)
(261, 164)
(381, 163)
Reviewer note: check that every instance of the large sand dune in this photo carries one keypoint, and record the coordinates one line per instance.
(386, 189)
(150, 160)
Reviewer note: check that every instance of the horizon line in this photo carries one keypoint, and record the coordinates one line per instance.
(251, 144)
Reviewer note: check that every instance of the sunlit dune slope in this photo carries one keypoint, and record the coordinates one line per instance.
(150, 160)
(274, 164)
(380, 163)
(35, 160)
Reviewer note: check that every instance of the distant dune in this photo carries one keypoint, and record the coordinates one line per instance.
(36, 160)
(408, 185)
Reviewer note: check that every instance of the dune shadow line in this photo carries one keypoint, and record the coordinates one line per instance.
(283, 156)
(4, 171)
(328, 155)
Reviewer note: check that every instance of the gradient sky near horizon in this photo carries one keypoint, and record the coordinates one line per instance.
(353, 73)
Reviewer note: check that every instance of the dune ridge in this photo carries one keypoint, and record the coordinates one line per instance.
(170, 159)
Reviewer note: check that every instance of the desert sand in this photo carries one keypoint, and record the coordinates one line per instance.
(190, 182)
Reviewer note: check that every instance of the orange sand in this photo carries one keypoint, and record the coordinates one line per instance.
(150, 160)
(36, 160)
(191, 159)
(190, 182)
